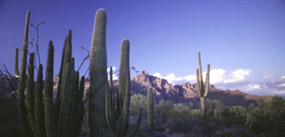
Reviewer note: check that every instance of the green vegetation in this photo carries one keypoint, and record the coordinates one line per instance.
(43, 115)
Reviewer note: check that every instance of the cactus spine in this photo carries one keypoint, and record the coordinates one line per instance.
(24, 127)
(110, 105)
(201, 92)
(30, 92)
(16, 67)
(150, 107)
(49, 109)
(98, 75)
(39, 106)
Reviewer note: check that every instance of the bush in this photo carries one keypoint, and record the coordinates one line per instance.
(137, 101)
(267, 117)
(234, 115)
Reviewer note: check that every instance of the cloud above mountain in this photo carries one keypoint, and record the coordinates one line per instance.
(217, 76)
(233, 79)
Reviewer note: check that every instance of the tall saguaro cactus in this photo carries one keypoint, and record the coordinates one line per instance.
(201, 91)
(24, 127)
(150, 107)
(98, 75)
(124, 73)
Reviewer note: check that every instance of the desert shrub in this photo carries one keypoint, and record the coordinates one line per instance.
(137, 101)
(234, 115)
(163, 109)
(180, 117)
(267, 118)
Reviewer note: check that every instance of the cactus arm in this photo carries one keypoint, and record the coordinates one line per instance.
(16, 63)
(207, 81)
(200, 73)
(49, 108)
(198, 89)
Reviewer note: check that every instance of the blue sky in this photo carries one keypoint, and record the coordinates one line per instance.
(243, 40)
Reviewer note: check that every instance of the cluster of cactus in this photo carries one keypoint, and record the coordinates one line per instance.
(202, 91)
(63, 116)
(43, 118)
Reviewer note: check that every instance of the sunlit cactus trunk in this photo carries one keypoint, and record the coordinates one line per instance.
(98, 75)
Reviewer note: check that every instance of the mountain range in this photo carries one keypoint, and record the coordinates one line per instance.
(162, 89)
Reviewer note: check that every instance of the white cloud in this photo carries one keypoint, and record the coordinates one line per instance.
(217, 76)
(282, 77)
(253, 87)
(115, 76)
(281, 85)
(113, 68)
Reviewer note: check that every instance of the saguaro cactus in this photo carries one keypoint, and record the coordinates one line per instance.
(110, 105)
(30, 92)
(16, 63)
(49, 109)
(150, 107)
(39, 106)
(124, 119)
(138, 124)
(124, 71)
(98, 75)
(24, 127)
(65, 117)
(201, 91)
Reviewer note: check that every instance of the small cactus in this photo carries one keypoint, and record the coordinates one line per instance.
(150, 107)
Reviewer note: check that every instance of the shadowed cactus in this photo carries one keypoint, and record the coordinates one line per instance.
(150, 107)
(49, 109)
(24, 127)
(30, 92)
(39, 106)
(110, 105)
(16, 63)
(202, 91)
